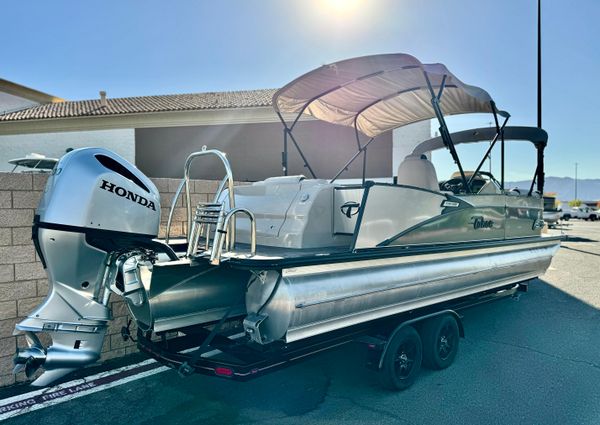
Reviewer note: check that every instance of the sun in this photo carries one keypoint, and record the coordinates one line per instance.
(341, 7)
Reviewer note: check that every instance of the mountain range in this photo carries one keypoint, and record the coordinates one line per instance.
(564, 187)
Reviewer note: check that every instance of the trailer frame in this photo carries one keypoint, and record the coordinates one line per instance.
(234, 356)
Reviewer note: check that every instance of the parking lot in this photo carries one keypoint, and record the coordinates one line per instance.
(534, 359)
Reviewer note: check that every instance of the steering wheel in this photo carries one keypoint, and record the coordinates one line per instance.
(489, 176)
(456, 184)
(453, 185)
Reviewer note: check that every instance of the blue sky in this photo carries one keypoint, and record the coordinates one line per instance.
(73, 49)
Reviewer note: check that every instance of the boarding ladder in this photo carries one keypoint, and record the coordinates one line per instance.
(214, 221)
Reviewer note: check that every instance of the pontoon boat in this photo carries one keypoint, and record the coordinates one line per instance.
(291, 260)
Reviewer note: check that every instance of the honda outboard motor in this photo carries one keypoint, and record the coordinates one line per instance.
(96, 206)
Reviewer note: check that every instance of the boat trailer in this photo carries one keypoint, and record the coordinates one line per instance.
(396, 346)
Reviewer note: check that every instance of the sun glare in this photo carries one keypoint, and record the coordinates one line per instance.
(341, 7)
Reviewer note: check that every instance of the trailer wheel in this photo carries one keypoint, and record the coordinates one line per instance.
(440, 341)
(402, 360)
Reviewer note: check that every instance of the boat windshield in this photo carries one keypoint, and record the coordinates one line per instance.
(537, 136)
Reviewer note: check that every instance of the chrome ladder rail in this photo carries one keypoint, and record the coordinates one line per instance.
(217, 251)
(211, 214)
(207, 215)
(185, 184)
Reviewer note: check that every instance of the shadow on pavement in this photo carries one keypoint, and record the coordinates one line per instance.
(569, 238)
(580, 250)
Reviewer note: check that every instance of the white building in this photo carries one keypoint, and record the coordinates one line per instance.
(158, 132)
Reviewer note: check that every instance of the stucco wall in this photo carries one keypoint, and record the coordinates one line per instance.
(254, 150)
(23, 281)
(53, 145)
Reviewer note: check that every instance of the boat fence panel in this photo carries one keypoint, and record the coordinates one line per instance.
(390, 210)
(346, 205)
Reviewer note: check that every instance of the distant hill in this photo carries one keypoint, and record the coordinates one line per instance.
(564, 187)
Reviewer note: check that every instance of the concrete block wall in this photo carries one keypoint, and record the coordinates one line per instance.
(23, 281)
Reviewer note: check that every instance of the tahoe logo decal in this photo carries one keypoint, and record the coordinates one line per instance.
(350, 208)
(480, 223)
(124, 193)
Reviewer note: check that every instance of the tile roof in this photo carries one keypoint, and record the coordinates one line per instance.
(144, 104)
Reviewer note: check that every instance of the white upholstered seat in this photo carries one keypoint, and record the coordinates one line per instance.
(417, 170)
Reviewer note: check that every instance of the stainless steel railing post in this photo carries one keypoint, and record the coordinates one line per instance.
(215, 256)
(185, 183)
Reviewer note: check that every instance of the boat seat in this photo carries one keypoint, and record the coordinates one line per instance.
(418, 171)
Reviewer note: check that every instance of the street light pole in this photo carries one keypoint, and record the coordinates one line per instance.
(539, 65)
(576, 180)
(490, 154)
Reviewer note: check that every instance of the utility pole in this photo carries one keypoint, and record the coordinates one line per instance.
(576, 180)
(539, 65)
(490, 155)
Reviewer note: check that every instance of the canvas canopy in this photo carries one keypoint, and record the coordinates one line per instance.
(532, 134)
(377, 93)
(35, 161)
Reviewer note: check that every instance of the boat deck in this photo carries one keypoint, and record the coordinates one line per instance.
(269, 257)
(266, 252)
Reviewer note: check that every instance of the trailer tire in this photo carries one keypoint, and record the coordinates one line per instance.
(402, 359)
(440, 341)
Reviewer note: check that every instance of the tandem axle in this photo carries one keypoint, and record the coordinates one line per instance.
(396, 346)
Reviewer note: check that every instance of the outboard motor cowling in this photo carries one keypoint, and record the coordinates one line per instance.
(95, 205)
(94, 188)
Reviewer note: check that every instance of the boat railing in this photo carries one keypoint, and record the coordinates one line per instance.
(221, 236)
(226, 182)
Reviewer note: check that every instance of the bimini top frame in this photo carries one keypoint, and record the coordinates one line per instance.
(535, 135)
(375, 94)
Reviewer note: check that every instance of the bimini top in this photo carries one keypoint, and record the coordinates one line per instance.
(35, 161)
(535, 135)
(377, 93)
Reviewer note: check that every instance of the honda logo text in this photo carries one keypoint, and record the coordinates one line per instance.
(124, 193)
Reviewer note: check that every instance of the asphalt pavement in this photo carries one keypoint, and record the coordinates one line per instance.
(534, 359)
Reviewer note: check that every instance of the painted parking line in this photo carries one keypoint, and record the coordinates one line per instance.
(46, 397)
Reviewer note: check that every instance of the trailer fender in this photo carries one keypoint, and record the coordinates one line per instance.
(456, 316)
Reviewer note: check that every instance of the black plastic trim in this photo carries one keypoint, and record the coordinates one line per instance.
(119, 168)
(381, 252)
(36, 240)
(361, 210)
(112, 240)
(86, 230)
